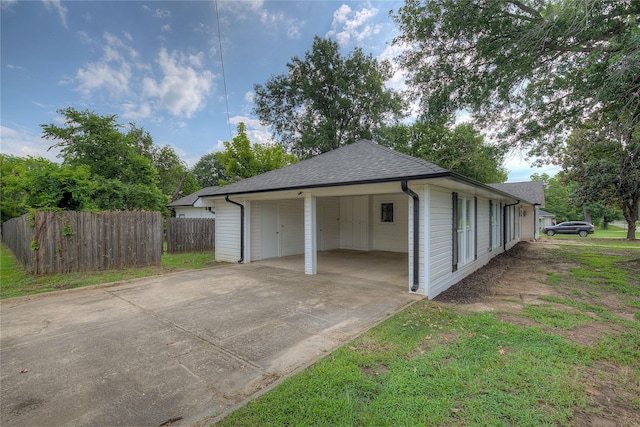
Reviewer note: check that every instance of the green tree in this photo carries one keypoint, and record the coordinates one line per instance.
(14, 188)
(174, 176)
(606, 164)
(533, 69)
(98, 142)
(209, 171)
(242, 160)
(118, 158)
(557, 197)
(461, 149)
(326, 100)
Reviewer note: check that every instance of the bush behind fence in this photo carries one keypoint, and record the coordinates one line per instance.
(65, 242)
(190, 235)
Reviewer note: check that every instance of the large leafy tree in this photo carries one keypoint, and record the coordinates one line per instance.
(118, 158)
(532, 69)
(327, 100)
(99, 143)
(242, 160)
(607, 167)
(461, 149)
(209, 171)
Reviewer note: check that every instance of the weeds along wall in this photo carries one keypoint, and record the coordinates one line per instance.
(65, 242)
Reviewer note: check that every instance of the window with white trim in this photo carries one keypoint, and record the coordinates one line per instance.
(465, 227)
(495, 225)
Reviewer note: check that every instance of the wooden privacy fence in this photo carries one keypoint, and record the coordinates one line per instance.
(190, 235)
(65, 242)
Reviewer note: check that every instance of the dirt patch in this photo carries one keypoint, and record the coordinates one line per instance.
(521, 276)
(374, 371)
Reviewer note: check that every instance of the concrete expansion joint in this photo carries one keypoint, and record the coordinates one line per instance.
(217, 347)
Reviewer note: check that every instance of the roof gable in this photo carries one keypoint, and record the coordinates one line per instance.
(530, 191)
(358, 163)
(190, 199)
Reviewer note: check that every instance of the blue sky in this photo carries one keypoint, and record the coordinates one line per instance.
(158, 64)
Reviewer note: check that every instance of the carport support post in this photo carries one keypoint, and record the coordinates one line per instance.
(310, 238)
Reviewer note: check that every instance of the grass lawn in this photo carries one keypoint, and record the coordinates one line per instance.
(14, 281)
(570, 358)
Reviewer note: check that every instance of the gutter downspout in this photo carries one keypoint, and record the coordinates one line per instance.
(504, 224)
(535, 221)
(241, 227)
(416, 235)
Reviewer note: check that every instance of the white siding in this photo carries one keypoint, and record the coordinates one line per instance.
(388, 236)
(441, 244)
(256, 232)
(227, 232)
(527, 228)
(329, 223)
(442, 277)
(291, 216)
(191, 212)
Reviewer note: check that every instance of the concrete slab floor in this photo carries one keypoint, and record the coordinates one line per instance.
(190, 345)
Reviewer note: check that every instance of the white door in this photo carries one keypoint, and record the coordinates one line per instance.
(354, 222)
(361, 223)
(270, 230)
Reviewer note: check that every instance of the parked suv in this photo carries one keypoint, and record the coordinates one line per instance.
(570, 227)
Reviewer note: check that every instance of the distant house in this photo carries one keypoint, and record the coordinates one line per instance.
(545, 219)
(366, 197)
(532, 191)
(192, 206)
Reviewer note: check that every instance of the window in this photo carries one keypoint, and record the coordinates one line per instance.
(495, 224)
(464, 228)
(386, 212)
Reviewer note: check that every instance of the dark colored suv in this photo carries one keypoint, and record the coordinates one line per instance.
(570, 227)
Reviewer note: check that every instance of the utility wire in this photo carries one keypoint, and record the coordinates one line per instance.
(224, 78)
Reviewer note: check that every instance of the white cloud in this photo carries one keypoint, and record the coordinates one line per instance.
(166, 28)
(23, 144)
(182, 90)
(57, 6)
(134, 111)
(348, 26)
(161, 13)
(111, 72)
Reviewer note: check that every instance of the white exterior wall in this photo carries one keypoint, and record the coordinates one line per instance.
(386, 236)
(256, 231)
(227, 232)
(441, 275)
(527, 226)
(291, 219)
(191, 212)
(328, 223)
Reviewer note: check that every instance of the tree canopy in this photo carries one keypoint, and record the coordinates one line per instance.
(327, 100)
(242, 160)
(533, 70)
(607, 167)
(461, 149)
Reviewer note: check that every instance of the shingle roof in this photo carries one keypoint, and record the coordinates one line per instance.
(542, 213)
(190, 199)
(530, 191)
(358, 163)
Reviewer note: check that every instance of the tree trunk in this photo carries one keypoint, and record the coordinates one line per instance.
(630, 212)
(587, 213)
(176, 194)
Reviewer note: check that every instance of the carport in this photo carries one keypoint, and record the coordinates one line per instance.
(379, 266)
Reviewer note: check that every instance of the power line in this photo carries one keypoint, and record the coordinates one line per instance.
(224, 78)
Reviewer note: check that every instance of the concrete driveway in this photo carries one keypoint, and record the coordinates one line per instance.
(187, 345)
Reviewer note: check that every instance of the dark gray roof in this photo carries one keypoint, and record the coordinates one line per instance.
(191, 198)
(530, 191)
(542, 213)
(359, 163)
